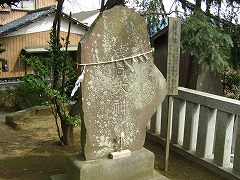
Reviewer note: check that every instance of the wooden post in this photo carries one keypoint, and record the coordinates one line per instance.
(170, 114)
(174, 32)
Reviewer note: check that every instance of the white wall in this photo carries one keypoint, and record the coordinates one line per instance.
(45, 24)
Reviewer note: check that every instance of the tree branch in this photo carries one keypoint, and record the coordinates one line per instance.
(65, 58)
(187, 4)
(159, 13)
(192, 7)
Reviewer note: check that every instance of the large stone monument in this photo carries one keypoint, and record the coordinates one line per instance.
(122, 87)
(121, 90)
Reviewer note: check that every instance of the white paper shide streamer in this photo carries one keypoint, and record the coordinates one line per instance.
(78, 82)
(140, 57)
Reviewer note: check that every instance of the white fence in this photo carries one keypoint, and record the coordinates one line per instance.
(205, 129)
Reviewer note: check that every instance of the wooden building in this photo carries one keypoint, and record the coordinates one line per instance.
(8, 14)
(30, 34)
(191, 75)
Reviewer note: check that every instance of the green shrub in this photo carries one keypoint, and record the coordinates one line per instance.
(27, 96)
(231, 83)
(24, 96)
(7, 100)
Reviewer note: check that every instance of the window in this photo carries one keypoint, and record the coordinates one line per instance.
(26, 5)
(4, 66)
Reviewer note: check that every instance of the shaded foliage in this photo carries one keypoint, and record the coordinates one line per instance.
(210, 31)
(154, 13)
(26, 96)
(42, 81)
(22, 97)
(200, 38)
(220, 16)
(231, 83)
(56, 91)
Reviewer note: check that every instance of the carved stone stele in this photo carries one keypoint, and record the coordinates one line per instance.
(118, 97)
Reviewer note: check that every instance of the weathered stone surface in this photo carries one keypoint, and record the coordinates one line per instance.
(118, 96)
(139, 166)
(209, 82)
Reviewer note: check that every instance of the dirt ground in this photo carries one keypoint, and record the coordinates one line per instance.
(35, 153)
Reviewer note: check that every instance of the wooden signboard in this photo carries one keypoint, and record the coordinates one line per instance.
(174, 33)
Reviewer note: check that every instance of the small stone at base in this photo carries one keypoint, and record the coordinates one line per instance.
(120, 154)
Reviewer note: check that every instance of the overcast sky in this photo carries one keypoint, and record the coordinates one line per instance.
(88, 5)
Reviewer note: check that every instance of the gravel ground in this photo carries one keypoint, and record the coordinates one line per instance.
(35, 152)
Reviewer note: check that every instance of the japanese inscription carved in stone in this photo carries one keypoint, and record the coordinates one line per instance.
(121, 95)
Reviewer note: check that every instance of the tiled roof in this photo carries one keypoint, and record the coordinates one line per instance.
(25, 20)
(28, 19)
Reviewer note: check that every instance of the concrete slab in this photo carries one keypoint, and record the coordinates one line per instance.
(59, 177)
(2, 116)
(156, 176)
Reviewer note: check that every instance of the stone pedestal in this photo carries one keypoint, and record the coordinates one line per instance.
(140, 165)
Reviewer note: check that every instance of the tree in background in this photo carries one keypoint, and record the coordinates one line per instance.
(220, 16)
(59, 70)
(206, 42)
(54, 81)
(210, 30)
(216, 37)
(154, 12)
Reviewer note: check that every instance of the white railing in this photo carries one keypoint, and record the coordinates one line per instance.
(205, 129)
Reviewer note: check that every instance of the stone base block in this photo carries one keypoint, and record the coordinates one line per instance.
(156, 176)
(140, 165)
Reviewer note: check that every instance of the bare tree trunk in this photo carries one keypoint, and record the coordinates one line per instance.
(67, 128)
(198, 4)
(68, 133)
(208, 6)
(102, 6)
(56, 34)
(110, 4)
(65, 59)
(192, 73)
